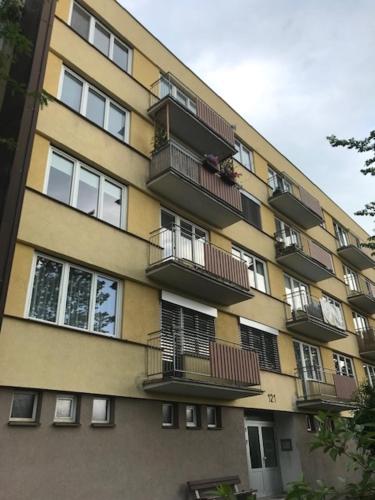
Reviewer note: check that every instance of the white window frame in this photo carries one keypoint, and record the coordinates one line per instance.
(362, 319)
(243, 255)
(113, 38)
(351, 279)
(319, 370)
(83, 104)
(342, 235)
(77, 166)
(285, 183)
(370, 373)
(190, 104)
(302, 297)
(242, 150)
(108, 408)
(194, 424)
(345, 360)
(73, 417)
(62, 296)
(35, 407)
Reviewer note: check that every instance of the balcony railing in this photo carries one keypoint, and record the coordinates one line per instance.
(366, 343)
(186, 261)
(185, 362)
(294, 201)
(319, 389)
(183, 178)
(361, 293)
(303, 255)
(350, 249)
(314, 318)
(185, 115)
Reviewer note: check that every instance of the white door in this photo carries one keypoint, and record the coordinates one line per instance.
(264, 470)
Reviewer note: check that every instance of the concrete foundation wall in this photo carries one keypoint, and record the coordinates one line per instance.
(135, 460)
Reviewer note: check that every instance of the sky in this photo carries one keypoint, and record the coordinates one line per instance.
(296, 70)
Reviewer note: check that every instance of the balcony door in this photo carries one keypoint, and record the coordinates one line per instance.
(263, 461)
(351, 279)
(182, 239)
(309, 364)
(297, 294)
(287, 234)
(341, 235)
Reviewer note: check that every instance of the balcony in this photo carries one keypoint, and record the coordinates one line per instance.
(319, 389)
(186, 364)
(294, 202)
(182, 114)
(303, 255)
(181, 260)
(361, 294)
(314, 318)
(349, 249)
(366, 343)
(183, 179)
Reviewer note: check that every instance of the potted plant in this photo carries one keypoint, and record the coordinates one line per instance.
(160, 138)
(211, 162)
(228, 173)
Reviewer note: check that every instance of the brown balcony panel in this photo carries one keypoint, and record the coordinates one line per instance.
(237, 365)
(314, 328)
(356, 256)
(178, 177)
(366, 344)
(196, 281)
(363, 301)
(295, 209)
(203, 132)
(296, 260)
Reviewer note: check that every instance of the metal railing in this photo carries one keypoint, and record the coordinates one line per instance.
(347, 239)
(193, 250)
(315, 382)
(302, 306)
(195, 356)
(358, 285)
(366, 340)
(171, 155)
(280, 183)
(169, 85)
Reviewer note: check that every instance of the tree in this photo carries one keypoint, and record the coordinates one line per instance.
(366, 145)
(353, 438)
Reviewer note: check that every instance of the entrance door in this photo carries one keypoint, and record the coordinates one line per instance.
(264, 471)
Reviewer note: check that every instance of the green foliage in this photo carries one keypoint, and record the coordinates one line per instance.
(225, 491)
(352, 438)
(366, 145)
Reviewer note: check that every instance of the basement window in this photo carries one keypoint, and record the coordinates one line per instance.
(24, 407)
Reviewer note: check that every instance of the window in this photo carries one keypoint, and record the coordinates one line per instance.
(310, 423)
(297, 293)
(286, 234)
(83, 187)
(264, 343)
(72, 296)
(213, 417)
(192, 417)
(24, 407)
(257, 269)
(101, 411)
(168, 87)
(278, 182)
(309, 364)
(360, 322)
(251, 210)
(66, 409)
(95, 33)
(343, 365)
(94, 105)
(243, 155)
(169, 415)
(351, 279)
(370, 372)
(341, 235)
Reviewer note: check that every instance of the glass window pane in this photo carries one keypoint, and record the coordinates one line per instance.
(88, 191)
(269, 449)
(237, 156)
(64, 408)
(116, 122)
(120, 55)
(211, 416)
(105, 305)
(78, 298)
(46, 289)
(95, 107)
(254, 446)
(167, 410)
(80, 21)
(100, 410)
(246, 160)
(261, 276)
(101, 39)
(250, 265)
(71, 93)
(191, 416)
(112, 198)
(60, 178)
(23, 405)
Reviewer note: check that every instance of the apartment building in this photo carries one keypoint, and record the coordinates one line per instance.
(168, 320)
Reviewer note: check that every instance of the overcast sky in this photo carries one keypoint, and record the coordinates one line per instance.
(297, 70)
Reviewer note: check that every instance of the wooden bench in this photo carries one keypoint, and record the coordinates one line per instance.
(206, 489)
